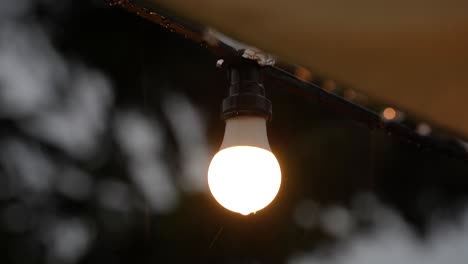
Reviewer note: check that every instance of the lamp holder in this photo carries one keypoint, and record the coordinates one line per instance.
(246, 91)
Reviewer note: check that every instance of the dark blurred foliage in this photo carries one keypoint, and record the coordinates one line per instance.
(324, 158)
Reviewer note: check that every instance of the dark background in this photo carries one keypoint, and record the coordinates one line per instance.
(324, 157)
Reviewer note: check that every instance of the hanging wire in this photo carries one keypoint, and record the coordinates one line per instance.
(310, 91)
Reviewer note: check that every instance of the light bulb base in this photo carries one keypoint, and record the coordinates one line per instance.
(246, 92)
(246, 105)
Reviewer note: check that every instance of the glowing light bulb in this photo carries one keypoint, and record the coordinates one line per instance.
(244, 176)
(389, 113)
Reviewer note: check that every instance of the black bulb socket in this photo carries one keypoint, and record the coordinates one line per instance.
(246, 91)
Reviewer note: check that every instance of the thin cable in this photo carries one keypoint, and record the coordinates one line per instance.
(310, 91)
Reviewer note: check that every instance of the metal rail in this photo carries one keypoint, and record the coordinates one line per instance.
(312, 92)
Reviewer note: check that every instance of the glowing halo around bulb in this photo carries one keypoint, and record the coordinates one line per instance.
(244, 179)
